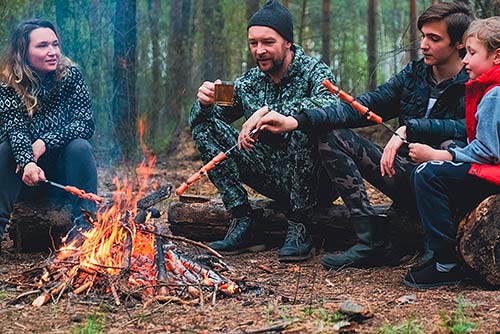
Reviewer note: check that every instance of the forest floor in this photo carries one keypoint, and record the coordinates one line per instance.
(294, 298)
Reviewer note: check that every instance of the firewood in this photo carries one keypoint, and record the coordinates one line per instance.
(158, 196)
(479, 240)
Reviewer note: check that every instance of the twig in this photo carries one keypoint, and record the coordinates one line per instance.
(186, 240)
(277, 328)
(115, 295)
(22, 295)
(214, 295)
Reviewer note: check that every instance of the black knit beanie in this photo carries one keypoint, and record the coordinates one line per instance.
(275, 16)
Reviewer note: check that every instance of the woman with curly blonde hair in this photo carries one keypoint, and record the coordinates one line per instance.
(45, 121)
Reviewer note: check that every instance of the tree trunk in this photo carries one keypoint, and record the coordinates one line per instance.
(302, 22)
(178, 60)
(413, 30)
(372, 44)
(124, 111)
(325, 37)
(214, 56)
(479, 240)
(251, 8)
(154, 9)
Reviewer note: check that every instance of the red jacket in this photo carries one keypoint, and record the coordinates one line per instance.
(474, 92)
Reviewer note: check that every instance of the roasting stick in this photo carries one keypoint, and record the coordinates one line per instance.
(211, 164)
(78, 192)
(370, 115)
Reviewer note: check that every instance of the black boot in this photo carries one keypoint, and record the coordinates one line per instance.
(239, 238)
(371, 250)
(298, 245)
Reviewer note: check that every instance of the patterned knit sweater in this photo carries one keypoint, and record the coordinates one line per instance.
(64, 114)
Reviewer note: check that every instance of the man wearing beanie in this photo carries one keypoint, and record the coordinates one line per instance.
(284, 168)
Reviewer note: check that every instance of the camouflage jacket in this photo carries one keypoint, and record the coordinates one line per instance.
(64, 113)
(300, 88)
(405, 96)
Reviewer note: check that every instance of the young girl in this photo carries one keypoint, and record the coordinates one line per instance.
(45, 121)
(440, 182)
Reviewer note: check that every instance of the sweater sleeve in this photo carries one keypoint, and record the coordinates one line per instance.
(14, 122)
(79, 106)
(485, 148)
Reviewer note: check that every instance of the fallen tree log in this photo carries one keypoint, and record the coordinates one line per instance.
(479, 240)
(39, 226)
(205, 219)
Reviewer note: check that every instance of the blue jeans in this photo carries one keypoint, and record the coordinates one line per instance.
(445, 190)
(72, 164)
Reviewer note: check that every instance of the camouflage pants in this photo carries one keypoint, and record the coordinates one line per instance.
(349, 158)
(284, 170)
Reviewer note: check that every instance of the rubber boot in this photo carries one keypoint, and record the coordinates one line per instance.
(371, 250)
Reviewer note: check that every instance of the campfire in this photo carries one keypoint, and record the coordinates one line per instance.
(126, 254)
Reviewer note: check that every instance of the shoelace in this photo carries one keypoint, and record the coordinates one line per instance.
(235, 223)
(296, 232)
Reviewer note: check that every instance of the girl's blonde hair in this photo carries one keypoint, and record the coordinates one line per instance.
(486, 31)
(15, 70)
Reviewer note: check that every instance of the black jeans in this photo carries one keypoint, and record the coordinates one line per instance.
(72, 164)
(445, 190)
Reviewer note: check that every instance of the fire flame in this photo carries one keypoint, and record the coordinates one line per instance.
(117, 245)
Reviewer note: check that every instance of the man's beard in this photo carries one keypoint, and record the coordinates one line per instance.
(277, 66)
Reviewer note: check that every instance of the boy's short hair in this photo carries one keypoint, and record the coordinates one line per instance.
(457, 16)
(486, 31)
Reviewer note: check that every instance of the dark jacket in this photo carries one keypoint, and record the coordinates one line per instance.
(406, 96)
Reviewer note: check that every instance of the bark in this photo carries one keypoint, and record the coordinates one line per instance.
(251, 8)
(479, 240)
(413, 30)
(154, 8)
(372, 45)
(39, 226)
(124, 110)
(214, 56)
(325, 37)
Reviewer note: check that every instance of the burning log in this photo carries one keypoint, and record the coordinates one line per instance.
(125, 255)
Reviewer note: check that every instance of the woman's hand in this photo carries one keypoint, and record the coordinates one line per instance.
(423, 153)
(33, 174)
(39, 149)
(390, 151)
(244, 140)
(277, 123)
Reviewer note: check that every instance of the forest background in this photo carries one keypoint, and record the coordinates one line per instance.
(147, 58)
